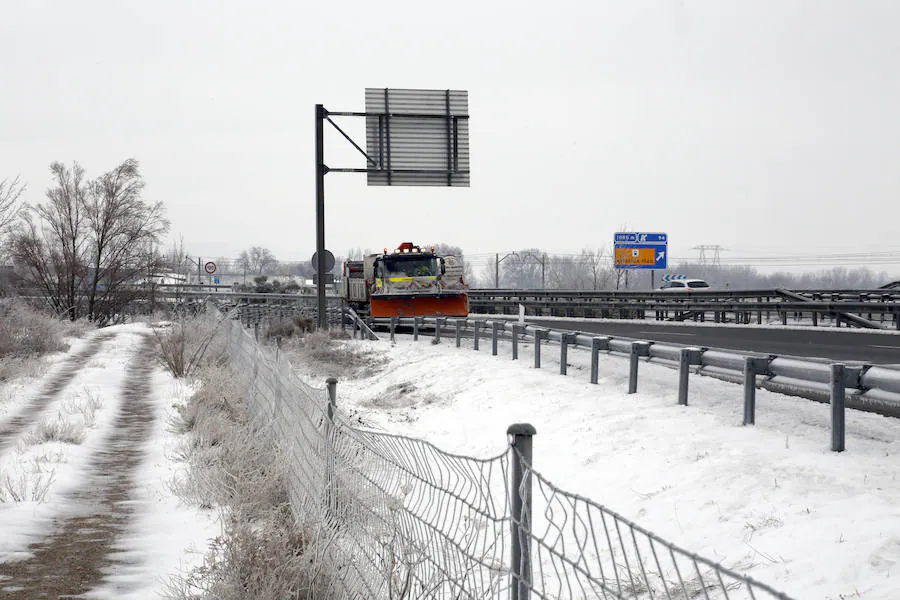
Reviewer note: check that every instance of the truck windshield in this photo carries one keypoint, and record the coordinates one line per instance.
(413, 266)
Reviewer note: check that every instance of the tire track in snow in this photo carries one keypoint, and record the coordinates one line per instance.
(51, 389)
(72, 560)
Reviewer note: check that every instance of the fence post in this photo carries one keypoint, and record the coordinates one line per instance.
(343, 316)
(331, 385)
(597, 344)
(475, 343)
(256, 330)
(838, 401)
(538, 334)
(689, 356)
(753, 366)
(393, 327)
(515, 341)
(415, 329)
(495, 326)
(520, 509)
(638, 349)
(458, 325)
(438, 322)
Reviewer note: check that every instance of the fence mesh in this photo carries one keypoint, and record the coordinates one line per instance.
(390, 516)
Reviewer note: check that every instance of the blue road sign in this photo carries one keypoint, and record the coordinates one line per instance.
(641, 238)
(636, 250)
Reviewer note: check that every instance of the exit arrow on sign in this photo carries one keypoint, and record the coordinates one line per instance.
(660, 256)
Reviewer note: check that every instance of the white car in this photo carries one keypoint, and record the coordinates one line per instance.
(683, 285)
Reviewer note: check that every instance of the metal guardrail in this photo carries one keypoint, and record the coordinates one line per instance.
(852, 308)
(858, 385)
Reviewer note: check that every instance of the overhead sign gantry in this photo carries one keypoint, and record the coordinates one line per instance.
(413, 138)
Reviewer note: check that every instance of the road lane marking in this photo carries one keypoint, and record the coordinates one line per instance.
(672, 333)
(889, 347)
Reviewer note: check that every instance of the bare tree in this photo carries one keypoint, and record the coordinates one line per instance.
(566, 273)
(598, 265)
(88, 239)
(51, 244)
(123, 230)
(257, 260)
(10, 192)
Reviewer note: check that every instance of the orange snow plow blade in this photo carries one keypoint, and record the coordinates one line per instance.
(420, 305)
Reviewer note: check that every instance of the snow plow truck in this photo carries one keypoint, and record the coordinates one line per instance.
(406, 282)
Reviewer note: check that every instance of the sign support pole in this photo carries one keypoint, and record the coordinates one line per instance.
(321, 169)
(652, 279)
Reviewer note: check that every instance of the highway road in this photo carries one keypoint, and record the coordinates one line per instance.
(829, 343)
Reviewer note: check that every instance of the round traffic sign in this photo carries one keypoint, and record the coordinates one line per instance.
(210, 267)
(329, 260)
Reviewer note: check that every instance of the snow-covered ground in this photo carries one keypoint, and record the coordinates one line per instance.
(164, 536)
(771, 497)
(810, 522)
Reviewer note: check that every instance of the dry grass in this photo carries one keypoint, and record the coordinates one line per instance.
(187, 343)
(24, 487)
(234, 465)
(331, 354)
(27, 332)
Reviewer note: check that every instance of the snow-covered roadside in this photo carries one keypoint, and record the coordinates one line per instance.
(164, 536)
(770, 500)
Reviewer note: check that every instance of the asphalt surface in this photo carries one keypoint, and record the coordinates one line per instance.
(828, 343)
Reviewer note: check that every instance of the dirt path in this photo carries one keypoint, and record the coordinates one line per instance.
(71, 561)
(50, 390)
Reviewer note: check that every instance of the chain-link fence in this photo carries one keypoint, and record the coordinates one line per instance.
(390, 516)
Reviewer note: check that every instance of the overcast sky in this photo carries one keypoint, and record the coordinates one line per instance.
(763, 126)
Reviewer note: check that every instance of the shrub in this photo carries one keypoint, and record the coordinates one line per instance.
(185, 344)
(286, 328)
(25, 331)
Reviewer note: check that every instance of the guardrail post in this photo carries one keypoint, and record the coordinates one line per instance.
(815, 318)
(783, 314)
(753, 366)
(597, 344)
(477, 327)
(638, 349)
(689, 356)
(495, 327)
(393, 327)
(538, 335)
(458, 326)
(564, 352)
(521, 435)
(438, 323)
(838, 402)
(415, 329)
(515, 341)
(331, 385)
